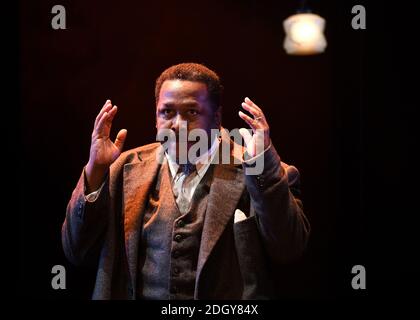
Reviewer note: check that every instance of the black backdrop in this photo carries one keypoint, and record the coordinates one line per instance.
(345, 118)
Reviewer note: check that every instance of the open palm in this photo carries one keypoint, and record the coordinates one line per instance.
(103, 152)
(259, 140)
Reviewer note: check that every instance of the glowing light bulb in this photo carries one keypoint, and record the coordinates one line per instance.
(303, 31)
(304, 34)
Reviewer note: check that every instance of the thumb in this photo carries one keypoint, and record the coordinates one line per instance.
(246, 135)
(119, 141)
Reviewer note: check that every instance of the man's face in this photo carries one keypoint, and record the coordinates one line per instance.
(181, 100)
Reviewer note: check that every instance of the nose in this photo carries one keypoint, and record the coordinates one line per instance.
(176, 123)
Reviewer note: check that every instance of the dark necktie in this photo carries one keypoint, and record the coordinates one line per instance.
(186, 171)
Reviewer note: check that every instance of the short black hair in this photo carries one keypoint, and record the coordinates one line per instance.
(193, 72)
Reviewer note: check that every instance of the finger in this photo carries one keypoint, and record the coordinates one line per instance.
(251, 110)
(103, 109)
(247, 119)
(103, 128)
(107, 106)
(104, 125)
(246, 135)
(119, 141)
(111, 113)
(249, 101)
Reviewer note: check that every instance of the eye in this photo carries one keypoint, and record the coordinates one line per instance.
(192, 112)
(166, 111)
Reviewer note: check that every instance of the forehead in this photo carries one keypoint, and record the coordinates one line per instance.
(183, 90)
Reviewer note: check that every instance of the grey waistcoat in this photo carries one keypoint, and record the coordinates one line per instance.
(170, 241)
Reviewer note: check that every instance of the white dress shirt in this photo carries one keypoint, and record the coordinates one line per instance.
(184, 186)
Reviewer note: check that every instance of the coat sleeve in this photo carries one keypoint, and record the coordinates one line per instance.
(274, 195)
(83, 230)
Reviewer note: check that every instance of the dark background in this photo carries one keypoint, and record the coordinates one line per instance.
(345, 118)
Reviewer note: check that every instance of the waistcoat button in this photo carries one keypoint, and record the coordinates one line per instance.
(180, 223)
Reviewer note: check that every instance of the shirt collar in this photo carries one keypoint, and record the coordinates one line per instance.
(202, 164)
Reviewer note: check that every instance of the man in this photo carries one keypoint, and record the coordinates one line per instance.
(158, 228)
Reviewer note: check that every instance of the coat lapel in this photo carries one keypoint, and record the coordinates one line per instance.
(138, 179)
(226, 189)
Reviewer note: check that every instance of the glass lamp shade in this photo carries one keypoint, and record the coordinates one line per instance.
(304, 34)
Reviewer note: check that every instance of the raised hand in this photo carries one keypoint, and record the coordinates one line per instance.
(259, 140)
(103, 152)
